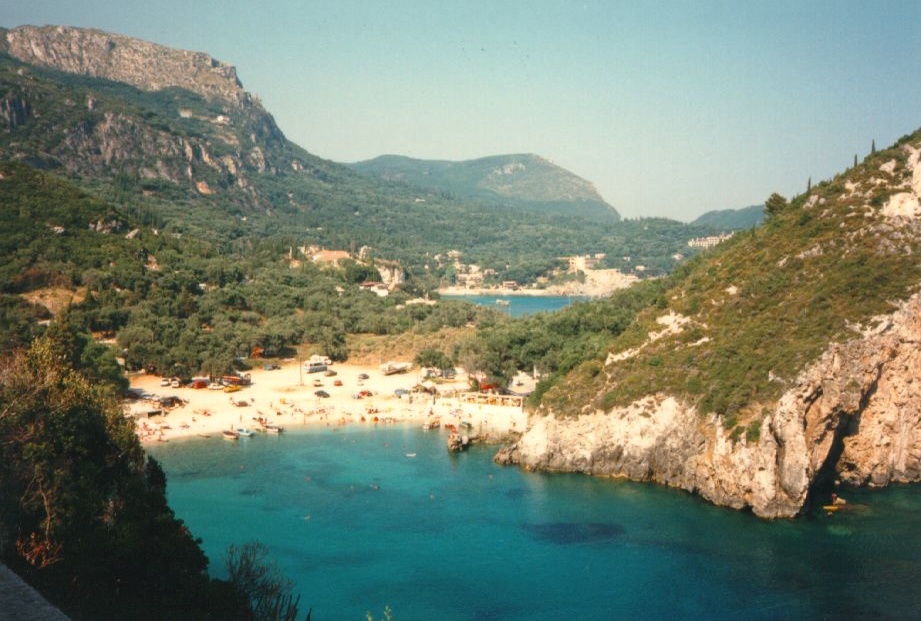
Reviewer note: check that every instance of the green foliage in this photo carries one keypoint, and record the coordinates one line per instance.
(774, 204)
(555, 343)
(433, 358)
(260, 581)
(764, 305)
(83, 513)
(753, 432)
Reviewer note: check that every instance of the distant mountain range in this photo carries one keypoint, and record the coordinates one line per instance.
(525, 180)
(732, 219)
(172, 137)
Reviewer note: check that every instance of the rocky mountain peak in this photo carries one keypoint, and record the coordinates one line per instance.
(141, 64)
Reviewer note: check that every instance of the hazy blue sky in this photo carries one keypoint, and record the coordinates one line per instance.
(669, 108)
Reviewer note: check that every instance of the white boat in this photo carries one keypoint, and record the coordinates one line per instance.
(273, 429)
(243, 432)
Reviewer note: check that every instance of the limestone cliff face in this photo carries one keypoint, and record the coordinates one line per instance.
(854, 414)
(147, 66)
(94, 135)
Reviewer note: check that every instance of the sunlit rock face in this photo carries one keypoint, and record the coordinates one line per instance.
(853, 416)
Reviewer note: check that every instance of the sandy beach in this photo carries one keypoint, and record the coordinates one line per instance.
(597, 283)
(286, 397)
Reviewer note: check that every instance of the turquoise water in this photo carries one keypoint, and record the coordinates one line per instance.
(519, 305)
(359, 525)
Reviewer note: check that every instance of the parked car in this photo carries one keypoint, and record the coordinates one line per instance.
(317, 383)
(322, 394)
(363, 376)
(401, 392)
(270, 367)
(337, 382)
(330, 373)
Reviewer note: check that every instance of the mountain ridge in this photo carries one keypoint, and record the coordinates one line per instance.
(213, 162)
(731, 219)
(523, 178)
(145, 65)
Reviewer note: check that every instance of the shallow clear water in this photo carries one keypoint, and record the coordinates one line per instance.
(519, 305)
(358, 525)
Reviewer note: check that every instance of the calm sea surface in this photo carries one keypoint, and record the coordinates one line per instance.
(519, 304)
(360, 523)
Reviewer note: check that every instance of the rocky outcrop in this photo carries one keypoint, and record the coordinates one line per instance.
(234, 139)
(853, 415)
(147, 66)
(14, 111)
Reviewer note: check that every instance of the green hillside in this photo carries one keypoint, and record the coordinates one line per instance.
(752, 313)
(221, 171)
(526, 180)
(732, 219)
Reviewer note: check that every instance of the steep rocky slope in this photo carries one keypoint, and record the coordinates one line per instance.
(144, 65)
(784, 363)
(97, 104)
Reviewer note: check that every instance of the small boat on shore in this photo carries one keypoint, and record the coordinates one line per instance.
(243, 432)
(274, 429)
(230, 434)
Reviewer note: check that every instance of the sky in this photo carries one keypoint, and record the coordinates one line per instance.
(670, 108)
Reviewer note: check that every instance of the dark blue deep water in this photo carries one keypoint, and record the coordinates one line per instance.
(358, 525)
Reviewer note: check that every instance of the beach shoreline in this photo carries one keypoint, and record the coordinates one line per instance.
(596, 283)
(286, 397)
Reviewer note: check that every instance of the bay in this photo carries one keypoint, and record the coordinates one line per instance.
(518, 305)
(363, 517)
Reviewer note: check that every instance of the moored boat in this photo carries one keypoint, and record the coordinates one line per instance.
(230, 434)
(243, 432)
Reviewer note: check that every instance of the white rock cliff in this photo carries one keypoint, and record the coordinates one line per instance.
(853, 415)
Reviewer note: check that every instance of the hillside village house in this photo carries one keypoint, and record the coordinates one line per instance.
(708, 242)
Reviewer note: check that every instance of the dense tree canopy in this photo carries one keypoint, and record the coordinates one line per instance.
(83, 510)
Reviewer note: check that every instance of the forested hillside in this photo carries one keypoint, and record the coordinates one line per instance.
(199, 157)
(176, 303)
(732, 219)
(526, 180)
(730, 330)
